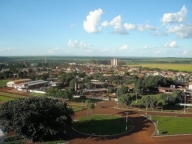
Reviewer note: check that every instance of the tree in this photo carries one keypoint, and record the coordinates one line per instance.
(122, 90)
(36, 118)
(90, 106)
(125, 99)
(146, 100)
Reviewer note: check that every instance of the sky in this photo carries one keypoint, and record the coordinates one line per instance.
(127, 28)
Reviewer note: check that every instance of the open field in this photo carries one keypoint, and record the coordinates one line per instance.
(102, 124)
(179, 67)
(4, 82)
(173, 125)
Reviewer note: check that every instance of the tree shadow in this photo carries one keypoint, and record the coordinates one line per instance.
(140, 124)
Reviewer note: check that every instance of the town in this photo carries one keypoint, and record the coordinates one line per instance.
(126, 86)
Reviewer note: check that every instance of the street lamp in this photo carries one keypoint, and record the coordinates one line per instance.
(126, 119)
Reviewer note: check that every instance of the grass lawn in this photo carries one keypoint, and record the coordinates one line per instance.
(173, 125)
(4, 98)
(102, 125)
(77, 108)
(4, 82)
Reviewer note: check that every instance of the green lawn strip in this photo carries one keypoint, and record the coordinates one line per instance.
(173, 125)
(36, 94)
(76, 104)
(102, 125)
(4, 82)
(77, 108)
(12, 95)
(4, 98)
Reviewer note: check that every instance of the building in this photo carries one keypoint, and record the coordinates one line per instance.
(190, 86)
(114, 62)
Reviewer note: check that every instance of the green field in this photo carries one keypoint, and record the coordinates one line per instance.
(173, 125)
(102, 125)
(179, 67)
(9, 96)
(3, 82)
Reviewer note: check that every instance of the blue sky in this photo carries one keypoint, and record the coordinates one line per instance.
(151, 28)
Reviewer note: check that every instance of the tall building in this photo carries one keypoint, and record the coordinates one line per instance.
(114, 62)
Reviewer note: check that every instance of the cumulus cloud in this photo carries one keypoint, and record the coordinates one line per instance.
(161, 51)
(104, 24)
(5, 49)
(124, 47)
(158, 33)
(129, 26)
(142, 27)
(182, 31)
(175, 17)
(185, 52)
(91, 22)
(171, 44)
(118, 28)
(76, 44)
(105, 49)
(88, 50)
(52, 51)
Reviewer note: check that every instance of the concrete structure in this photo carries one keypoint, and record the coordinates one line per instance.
(12, 83)
(190, 86)
(29, 84)
(114, 62)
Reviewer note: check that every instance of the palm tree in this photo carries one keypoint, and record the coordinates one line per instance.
(90, 106)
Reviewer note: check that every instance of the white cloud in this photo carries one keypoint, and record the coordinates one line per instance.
(76, 44)
(158, 33)
(129, 26)
(182, 31)
(116, 23)
(92, 21)
(142, 27)
(185, 52)
(104, 24)
(5, 49)
(145, 47)
(161, 51)
(171, 44)
(105, 49)
(124, 47)
(88, 50)
(72, 25)
(149, 27)
(72, 44)
(52, 51)
(175, 17)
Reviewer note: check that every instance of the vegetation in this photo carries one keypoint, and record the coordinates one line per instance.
(3, 82)
(36, 118)
(173, 125)
(168, 66)
(102, 125)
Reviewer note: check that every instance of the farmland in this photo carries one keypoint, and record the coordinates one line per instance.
(176, 67)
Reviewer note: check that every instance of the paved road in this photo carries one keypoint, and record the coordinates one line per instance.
(141, 134)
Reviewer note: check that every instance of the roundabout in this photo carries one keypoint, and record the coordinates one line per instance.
(103, 125)
(141, 131)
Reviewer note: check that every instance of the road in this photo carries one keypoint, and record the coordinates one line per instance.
(141, 133)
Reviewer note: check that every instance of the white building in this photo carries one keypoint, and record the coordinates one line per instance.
(114, 62)
(190, 85)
